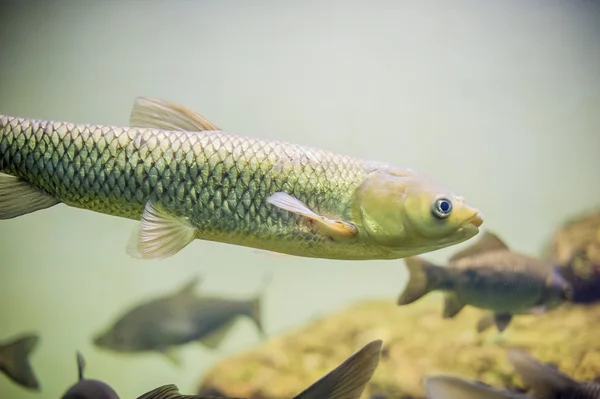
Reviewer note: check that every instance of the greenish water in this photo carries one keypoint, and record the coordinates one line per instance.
(498, 100)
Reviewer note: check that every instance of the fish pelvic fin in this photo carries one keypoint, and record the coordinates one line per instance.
(488, 242)
(169, 392)
(349, 379)
(335, 229)
(452, 305)
(166, 115)
(15, 361)
(18, 197)
(159, 235)
(545, 381)
(256, 306)
(424, 277)
(451, 387)
(485, 322)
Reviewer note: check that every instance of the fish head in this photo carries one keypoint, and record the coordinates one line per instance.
(558, 290)
(412, 213)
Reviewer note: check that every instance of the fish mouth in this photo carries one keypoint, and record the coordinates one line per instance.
(476, 220)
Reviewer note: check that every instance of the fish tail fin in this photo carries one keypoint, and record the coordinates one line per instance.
(424, 277)
(18, 197)
(544, 380)
(348, 380)
(15, 361)
(450, 387)
(257, 304)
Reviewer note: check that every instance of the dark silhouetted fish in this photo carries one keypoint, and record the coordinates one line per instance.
(87, 388)
(543, 381)
(489, 276)
(346, 381)
(14, 360)
(163, 324)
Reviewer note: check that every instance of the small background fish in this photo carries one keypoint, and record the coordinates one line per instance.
(184, 316)
(15, 361)
(490, 276)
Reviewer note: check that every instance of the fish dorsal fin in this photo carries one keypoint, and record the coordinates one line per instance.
(348, 380)
(168, 392)
(451, 387)
(488, 242)
(166, 115)
(190, 286)
(80, 365)
(545, 381)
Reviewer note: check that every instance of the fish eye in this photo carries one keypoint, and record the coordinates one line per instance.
(442, 208)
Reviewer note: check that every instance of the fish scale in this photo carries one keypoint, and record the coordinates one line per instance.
(220, 181)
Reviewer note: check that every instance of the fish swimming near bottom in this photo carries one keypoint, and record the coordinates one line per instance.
(165, 323)
(543, 380)
(346, 381)
(488, 275)
(14, 360)
(87, 388)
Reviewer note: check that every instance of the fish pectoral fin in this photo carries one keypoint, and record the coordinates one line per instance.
(166, 115)
(348, 380)
(159, 234)
(452, 305)
(334, 228)
(488, 242)
(18, 197)
(216, 337)
(170, 391)
(502, 320)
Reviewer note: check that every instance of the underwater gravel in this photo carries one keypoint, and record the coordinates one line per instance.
(417, 341)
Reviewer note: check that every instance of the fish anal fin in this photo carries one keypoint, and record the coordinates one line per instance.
(18, 197)
(216, 337)
(452, 305)
(166, 115)
(348, 380)
(173, 356)
(334, 228)
(15, 361)
(488, 242)
(159, 234)
(502, 320)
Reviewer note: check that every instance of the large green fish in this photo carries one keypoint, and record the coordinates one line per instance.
(184, 178)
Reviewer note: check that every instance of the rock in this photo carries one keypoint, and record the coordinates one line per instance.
(417, 341)
(575, 248)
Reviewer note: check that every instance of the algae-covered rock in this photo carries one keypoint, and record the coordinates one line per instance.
(575, 248)
(417, 341)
